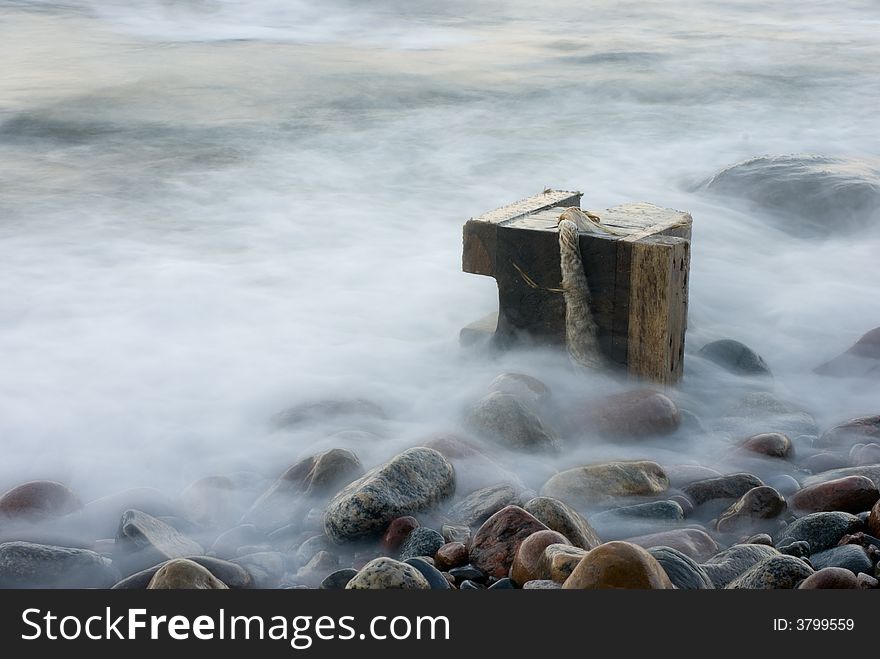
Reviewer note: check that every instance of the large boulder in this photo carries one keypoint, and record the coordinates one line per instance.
(413, 481)
(807, 195)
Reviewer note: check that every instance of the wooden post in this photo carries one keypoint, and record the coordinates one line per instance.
(638, 280)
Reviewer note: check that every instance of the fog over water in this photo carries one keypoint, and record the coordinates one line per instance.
(210, 212)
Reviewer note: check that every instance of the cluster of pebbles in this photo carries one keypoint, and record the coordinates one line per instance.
(786, 506)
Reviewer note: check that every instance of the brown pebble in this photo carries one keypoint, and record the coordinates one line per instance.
(450, 555)
(397, 531)
(39, 500)
(773, 444)
(527, 564)
(828, 578)
(850, 494)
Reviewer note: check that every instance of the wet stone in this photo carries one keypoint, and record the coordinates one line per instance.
(541, 584)
(560, 517)
(754, 507)
(798, 548)
(829, 578)
(432, 575)
(695, 543)
(629, 415)
(338, 580)
(559, 561)
(495, 543)
(684, 572)
(450, 555)
(480, 505)
(38, 500)
(143, 540)
(183, 574)
(849, 557)
(502, 584)
(30, 565)
(725, 487)
(862, 430)
(618, 565)
(776, 572)
(386, 573)
(851, 494)
(528, 563)
(589, 485)
(234, 576)
(735, 357)
(397, 532)
(508, 421)
(417, 479)
(772, 444)
(822, 530)
(727, 565)
(421, 542)
(455, 533)
(468, 572)
(524, 387)
(467, 584)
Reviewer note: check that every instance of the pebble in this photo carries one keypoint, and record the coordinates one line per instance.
(626, 520)
(695, 543)
(873, 521)
(849, 557)
(506, 420)
(830, 578)
(824, 461)
(862, 359)
(432, 575)
(467, 573)
(798, 548)
(467, 584)
(38, 500)
(773, 444)
(315, 477)
(589, 485)
(502, 584)
(450, 555)
(397, 532)
(560, 517)
(850, 494)
(755, 506)
(822, 530)
(416, 480)
(866, 581)
(559, 561)
(527, 565)
(784, 484)
(338, 580)
(30, 565)
(385, 573)
(775, 572)
(422, 541)
(684, 474)
(495, 543)
(629, 415)
(727, 565)
(234, 576)
(183, 574)
(480, 505)
(760, 539)
(683, 571)
(143, 540)
(618, 565)
(865, 454)
(732, 486)
(868, 471)
(861, 430)
(735, 357)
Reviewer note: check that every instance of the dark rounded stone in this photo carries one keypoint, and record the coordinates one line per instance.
(732, 486)
(338, 580)
(695, 543)
(873, 521)
(755, 506)
(798, 548)
(821, 530)
(682, 570)
(231, 574)
(143, 540)
(422, 541)
(824, 461)
(775, 572)
(773, 444)
(467, 584)
(502, 584)
(562, 518)
(450, 555)
(434, 577)
(849, 557)
(735, 357)
(855, 431)
(512, 423)
(629, 415)
(468, 573)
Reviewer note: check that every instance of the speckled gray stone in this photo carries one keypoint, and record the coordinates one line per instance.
(183, 574)
(232, 575)
(562, 518)
(682, 570)
(386, 573)
(775, 572)
(541, 584)
(727, 565)
(413, 481)
(850, 557)
(421, 541)
(821, 530)
(480, 505)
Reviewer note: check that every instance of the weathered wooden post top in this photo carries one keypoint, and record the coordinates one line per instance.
(635, 257)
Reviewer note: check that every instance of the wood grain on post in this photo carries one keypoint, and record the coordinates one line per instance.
(638, 280)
